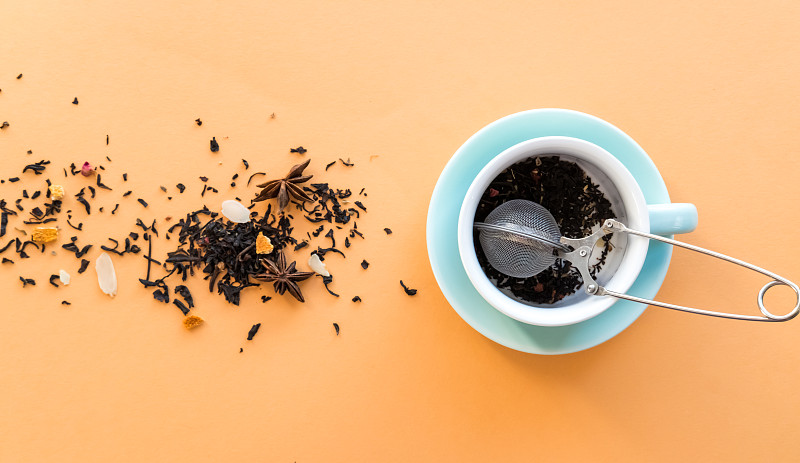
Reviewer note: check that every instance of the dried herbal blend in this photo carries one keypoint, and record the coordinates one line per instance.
(575, 201)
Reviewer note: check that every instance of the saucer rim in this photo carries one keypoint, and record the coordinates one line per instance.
(655, 193)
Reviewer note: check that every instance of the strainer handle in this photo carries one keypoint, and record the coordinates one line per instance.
(614, 226)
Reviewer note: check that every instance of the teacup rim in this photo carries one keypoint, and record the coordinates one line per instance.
(634, 203)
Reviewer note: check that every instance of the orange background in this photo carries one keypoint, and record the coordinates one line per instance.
(708, 89)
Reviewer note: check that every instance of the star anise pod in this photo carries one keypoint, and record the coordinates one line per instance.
(286, 188)
(283, 277)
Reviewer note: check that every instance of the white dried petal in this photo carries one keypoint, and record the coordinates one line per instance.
(318, 266)
(64, 277)
(106, 276)
(235, 211)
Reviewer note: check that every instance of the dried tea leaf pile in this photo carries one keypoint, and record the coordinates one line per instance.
(576, 203)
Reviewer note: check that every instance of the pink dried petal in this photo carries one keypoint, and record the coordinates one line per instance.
(493, 192)
(86, 169)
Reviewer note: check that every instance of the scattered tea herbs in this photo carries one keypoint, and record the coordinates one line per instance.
(246, 164)
(27, 281)
(356, 299)
(265, 298)
(326, 281)
(408, 290)
(66, 303)
(179, 304)
(286, 188)
(388, 231)
(85, 204)
(298, 150)
(7, 261)
(284, 277)
(75, 101)
(84, 265)
(37, 168)
(4, 125)
(198, 122)
(346, 163)
(100, 184)
(214, 145)
(185, 294)
(53, 279)
(253, 331)
(330, 164)
(575, 201)
(192, 322)
(364, 264)
(336, 327)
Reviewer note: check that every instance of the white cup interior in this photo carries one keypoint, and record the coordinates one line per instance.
(623, 262)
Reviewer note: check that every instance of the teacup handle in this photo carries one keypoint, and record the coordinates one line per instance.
(582, 252)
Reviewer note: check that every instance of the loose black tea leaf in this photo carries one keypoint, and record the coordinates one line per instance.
(347, 163)
(84, 265)
(251, 177)
(214, 145)
(361, 206)
(265, 298)
(125, 179)
(364, 264)
(66, 303)
(37, 168)
(7, 261)
(115, 209)
(27, 281)
(181, 187)
(246, 164)
(143, 202)
(326, 281)
(184, 292)
(85, 204)
(298, 150)
(198, 122)
(181, 306)
(75, 101)
(163, 188)
(356, 299)
(346, 242)
(36, 194)
(106, 139)
(408, 290)
(3, 223)
(100, 183)
(4, 125)
(336, 327)
(19, 77)
(162, 296)
(53, 279)
(204, 179)
(329, 165)
(388, 231)
(127, 193)
(13, 179)
(253, 331)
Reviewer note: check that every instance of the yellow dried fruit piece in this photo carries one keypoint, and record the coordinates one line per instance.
(56, 192)
(44, 234)
(263, 244)
(192, 321)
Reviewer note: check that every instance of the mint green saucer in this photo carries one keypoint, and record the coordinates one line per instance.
(443, 218)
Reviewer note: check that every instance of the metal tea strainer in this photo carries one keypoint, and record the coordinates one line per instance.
(521, 239)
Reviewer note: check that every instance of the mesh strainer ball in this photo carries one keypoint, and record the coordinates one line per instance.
(518, 238)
